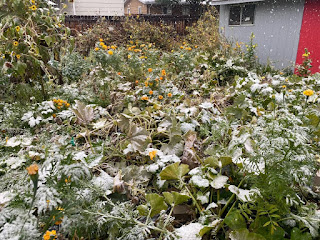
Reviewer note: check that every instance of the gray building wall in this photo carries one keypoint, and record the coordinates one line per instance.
(276, 27)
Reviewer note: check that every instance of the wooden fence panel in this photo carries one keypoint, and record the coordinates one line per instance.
(82, 23)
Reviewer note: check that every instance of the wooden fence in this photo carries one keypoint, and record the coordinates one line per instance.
(82, 23)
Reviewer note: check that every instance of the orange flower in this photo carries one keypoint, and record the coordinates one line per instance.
(150, 92)
(163, 72)
(119, 73)
(54, 115)
(152, 154)
(137, 82)
(100, 40)
(110, 52)
(145, 98)
(160, 97)
(149, 69)
(33, 169)
(169, 94)
(161, 78)
(49, 234)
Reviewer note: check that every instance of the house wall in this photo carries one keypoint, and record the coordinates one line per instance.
(276, 27)
(134, 5)
(95, 7)
(310, 34)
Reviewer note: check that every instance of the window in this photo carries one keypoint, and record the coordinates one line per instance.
(128, 11)
(139, 10)
(185, 10)
(241, 14)
(167, 10)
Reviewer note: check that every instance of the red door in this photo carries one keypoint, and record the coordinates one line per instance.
(310, 34)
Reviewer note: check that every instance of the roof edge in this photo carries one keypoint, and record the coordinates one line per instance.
(228, 2)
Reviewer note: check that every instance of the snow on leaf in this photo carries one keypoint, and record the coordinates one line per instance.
(203, 198)
(242, 194)
(199, 181)
(219, 181)
(15, 162)
(138, 138)
(13, 142)
(206, 105)
(211, 205)
(104, 181)
(189, 232)
(84, 113)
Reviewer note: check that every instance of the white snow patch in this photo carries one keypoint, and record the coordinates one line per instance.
(189, 232)
(219, 182)
(199, 181)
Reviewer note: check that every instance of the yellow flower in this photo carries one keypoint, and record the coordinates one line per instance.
(149, 69)
(33, 7)
(129, 56)
(49, 234)
(160, 97)
(284, 86)
(152, 154)
(33, 1)
(18, 56)
(101, 44)
(110, 52)
(150, 92)
(306, 54)
(33, 169)
(169, 94)
(15, 43)
(17, 28)
(100, 40)
(163, 72)
(105, 47)
(97, 49)
(308, 92)
(113, 47)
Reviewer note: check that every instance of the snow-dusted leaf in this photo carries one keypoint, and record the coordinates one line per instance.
(199, 181)
(84, 113)
(174, 171)
(219, 181)
(242, 194)
(138, 138)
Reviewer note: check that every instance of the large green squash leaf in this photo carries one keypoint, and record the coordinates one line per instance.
(174, 171)
(156, 202)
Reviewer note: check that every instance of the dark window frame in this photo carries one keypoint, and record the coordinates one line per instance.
(242, 7)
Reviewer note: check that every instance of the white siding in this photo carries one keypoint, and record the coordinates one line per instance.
(95, 8)
(277, 29)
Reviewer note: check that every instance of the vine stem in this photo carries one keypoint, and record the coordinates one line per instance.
(167, 221)
(124, 219)
(230, 199)
(194, 200)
